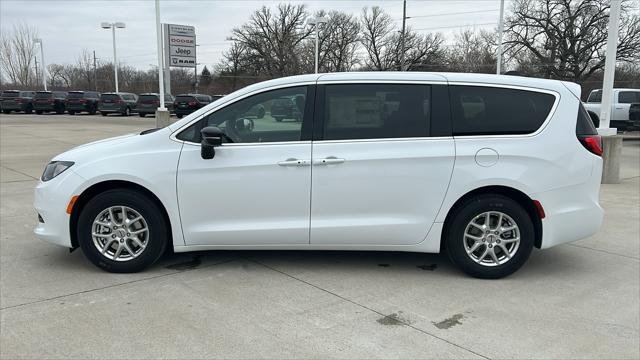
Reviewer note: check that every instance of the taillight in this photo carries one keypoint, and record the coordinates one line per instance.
(592, 143)
(82, 101)
(192, 103)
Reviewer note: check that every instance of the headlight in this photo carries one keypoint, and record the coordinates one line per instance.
(54, 169)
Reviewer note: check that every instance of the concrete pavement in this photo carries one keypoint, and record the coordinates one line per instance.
(574, 301)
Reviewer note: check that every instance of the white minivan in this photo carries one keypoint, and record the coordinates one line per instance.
(484, 167)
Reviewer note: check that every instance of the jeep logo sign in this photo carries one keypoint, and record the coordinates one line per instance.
(180, 45)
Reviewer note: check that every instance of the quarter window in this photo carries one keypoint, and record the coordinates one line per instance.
(479, 110)
(376, 111)
(258, 118)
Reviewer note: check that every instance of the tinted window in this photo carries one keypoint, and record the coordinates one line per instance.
(11, 94)
(148, 98)
(60, 94)
(109, 97)
(75, 95)
(43, 95)
(243, 123)
(629, 97)
(585, 125)
(203, 98)
(184, 98)
(376, 111)
(27, 94)
(595, 96)
(479, 110)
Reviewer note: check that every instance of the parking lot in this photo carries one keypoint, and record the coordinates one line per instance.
(578, 300)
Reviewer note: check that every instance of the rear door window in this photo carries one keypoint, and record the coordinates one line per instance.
(376, 111)
(629, 97)
(481, 110)
(11, 94)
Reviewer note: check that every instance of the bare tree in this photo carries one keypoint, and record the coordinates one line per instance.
(383, 44)
(567, 38)
(473, 52)
(377, 27)
(273, 39)
(17, 54)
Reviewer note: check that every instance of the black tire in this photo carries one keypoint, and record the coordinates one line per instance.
(28, 110)
(72, 112)
(39, 112)
(147, 208)
(179, 116)
(103, 113)
(142, 114)
(470, 209)
(92, 110)
(278, 119)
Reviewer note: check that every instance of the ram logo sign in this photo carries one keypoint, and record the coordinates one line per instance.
(180, 45)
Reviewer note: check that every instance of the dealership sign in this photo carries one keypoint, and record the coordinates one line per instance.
(180, 45)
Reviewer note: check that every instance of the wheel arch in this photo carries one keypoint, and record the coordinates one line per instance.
(520, 197)
(103, 186)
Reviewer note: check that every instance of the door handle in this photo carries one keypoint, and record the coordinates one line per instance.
(293, 162)
(329, 161)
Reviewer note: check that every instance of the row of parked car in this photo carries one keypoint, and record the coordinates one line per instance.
(94, 102)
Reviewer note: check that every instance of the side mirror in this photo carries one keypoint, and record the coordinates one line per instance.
(211, 136)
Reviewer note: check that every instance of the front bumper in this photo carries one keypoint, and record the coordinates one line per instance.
(51, 200)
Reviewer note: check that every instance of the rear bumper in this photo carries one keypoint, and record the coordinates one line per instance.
(14, 107)
(110, 110)
(572, 213)
(184, 111)
(44, 107)
(78, 107)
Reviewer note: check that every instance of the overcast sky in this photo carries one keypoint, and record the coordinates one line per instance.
(68, 26)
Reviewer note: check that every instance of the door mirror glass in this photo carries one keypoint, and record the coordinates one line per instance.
(211, 136)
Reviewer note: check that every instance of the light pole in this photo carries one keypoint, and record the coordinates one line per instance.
(162, 114)
(113, 26)
(500, 32)
(316, 21)
(44, 66)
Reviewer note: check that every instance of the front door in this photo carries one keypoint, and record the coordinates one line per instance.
(256, 189)
(380, 173)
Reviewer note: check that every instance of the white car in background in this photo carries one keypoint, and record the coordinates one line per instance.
(484, 167)
(625, 108)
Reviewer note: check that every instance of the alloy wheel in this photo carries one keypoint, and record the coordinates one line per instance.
(491, 238)
(120, 233)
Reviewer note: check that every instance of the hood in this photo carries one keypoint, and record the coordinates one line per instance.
(101, 148)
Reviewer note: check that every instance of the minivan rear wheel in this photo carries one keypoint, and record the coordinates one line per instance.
(490, 236)
(122, 231)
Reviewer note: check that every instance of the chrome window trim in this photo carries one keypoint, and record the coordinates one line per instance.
(370, 81)
(516, 87)
(306, 142)
(401, 139)
(230, 102)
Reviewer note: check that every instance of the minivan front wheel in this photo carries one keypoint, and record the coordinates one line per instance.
(490, 236)
(122, 231)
